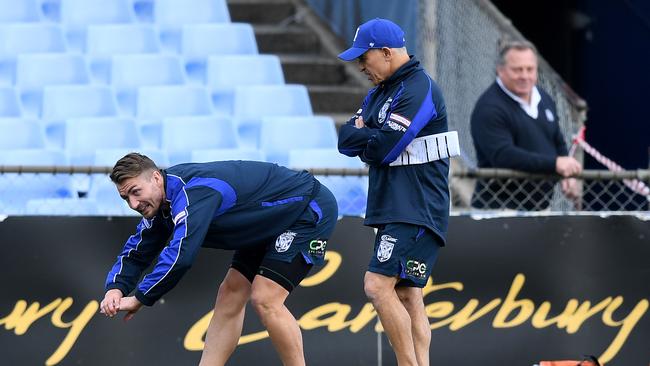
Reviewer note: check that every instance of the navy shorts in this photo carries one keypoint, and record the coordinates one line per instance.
(291, 255)
(407, 251)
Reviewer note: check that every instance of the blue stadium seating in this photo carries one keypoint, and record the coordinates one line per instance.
(18, 133)
(226, 72)
(17, 189)
(171, 15)
(77, 15)
(73, 101)
(105, 40)
(26, 38)
(180, 135)
(108, 157)
(85, 135)
(9, 104)
(254, 102)
(202, 156)
(15, 11)
(199, 41)
(61, 207)
(350, 191)
(128, 72)
(158, 102)
(34, 71)
(278, 135)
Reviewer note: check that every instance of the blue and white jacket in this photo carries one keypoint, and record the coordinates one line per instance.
(224, 205)
(405, 106)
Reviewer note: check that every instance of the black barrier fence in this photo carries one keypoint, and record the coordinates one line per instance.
(505, 291)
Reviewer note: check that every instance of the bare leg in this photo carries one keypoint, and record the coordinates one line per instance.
(227, 320)
(268, 300)
(380, 290)
(412, 299)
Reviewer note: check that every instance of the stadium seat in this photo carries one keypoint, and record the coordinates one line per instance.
(26, 38)
(108, 157)
(77, 15)
(226, 72)
(278, 135)
(9, 105)
(182, 134)
(34, 71)
(18, 133)
(157, 102)
(73, 101)
(106, 40)
(251, 103)
(17, 189)
(128, 72)
(83, 136)
(350, 191)
(107, 200)
(202, 156)
(15, 11)
(171, 15)
(199, 41)
(143, 10)
(61, 207)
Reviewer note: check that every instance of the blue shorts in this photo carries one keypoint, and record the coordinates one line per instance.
(306, 237)
(407, 251)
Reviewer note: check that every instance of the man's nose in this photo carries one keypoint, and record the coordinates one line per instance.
(133, 203)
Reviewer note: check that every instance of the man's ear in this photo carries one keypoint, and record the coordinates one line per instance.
(388, 53)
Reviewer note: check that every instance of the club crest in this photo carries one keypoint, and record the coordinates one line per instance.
(381, 117)
(283, 242)
(386, 245)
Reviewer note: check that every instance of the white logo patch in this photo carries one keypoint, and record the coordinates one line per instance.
(549, 115)
(372, 44)
(386, 246)
(396, 126)
(283, 242)
(381, 117)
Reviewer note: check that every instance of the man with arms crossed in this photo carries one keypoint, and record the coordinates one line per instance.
(408, 196)
(276, 220)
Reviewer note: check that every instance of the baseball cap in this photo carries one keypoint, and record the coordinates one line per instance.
(376, 33)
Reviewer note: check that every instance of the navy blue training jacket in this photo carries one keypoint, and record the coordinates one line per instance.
(405, 106)
(224, 205)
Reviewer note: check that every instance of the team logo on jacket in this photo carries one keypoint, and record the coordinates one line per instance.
(386, 245)
(283, 242)
(381, 117)
(549, 115)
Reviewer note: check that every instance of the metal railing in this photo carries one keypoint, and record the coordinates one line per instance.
(86, 190)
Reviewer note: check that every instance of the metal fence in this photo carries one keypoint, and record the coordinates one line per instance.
(459, 42)
(87, 191)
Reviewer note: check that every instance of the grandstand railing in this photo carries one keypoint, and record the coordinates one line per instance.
(472, 190)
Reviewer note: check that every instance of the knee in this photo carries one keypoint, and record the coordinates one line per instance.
(264, 302)
(232, 292)
(375, 286)
(410, 297)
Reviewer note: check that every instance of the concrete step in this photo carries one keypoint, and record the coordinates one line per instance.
(260, 11)
(290, 39)
(309, 69)
(329, 99)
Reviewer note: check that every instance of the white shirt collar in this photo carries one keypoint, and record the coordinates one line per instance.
(535, 98)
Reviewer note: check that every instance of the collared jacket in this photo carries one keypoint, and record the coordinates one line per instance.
(405, 106)
(223, 205)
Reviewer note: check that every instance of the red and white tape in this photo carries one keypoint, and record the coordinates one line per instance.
(634, 184)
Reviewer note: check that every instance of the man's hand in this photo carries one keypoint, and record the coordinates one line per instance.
(358, 123)
(131, 305)
(111, 303)
(567, 166)
(571, 188)
(114, 302)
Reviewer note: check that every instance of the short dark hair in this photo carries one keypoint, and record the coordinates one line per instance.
(131, 166)
(508, 45)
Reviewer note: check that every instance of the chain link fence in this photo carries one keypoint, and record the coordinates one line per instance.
(87, 191)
